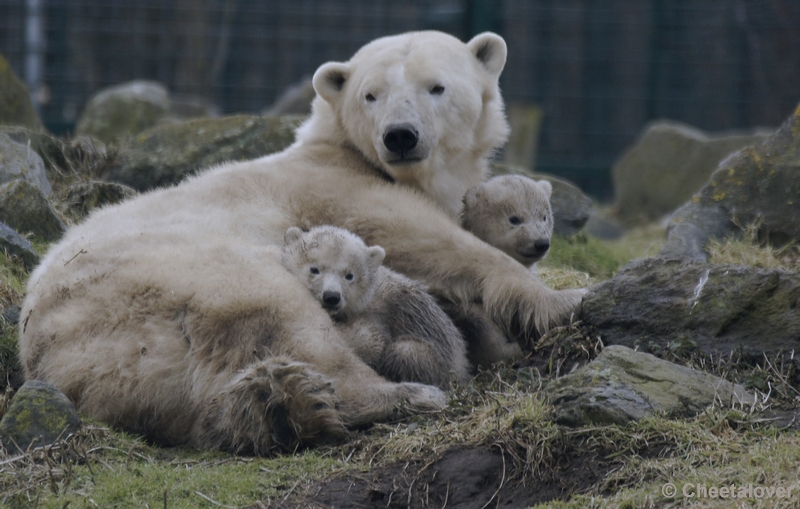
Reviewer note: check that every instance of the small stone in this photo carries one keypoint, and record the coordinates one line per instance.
(80, 199)
(38, 415)
(623, 385)
(16, 107)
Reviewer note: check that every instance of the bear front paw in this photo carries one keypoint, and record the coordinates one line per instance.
(276, 404)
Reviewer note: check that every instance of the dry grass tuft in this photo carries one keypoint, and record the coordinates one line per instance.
(748, 249)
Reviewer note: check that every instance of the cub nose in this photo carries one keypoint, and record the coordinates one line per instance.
(541, 246)
(331, 298)
(400, 138)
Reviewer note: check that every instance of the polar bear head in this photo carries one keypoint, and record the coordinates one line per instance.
(335, 265)
(422, 107)
(513, 214)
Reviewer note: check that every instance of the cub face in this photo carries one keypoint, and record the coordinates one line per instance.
(513, 214)
(335, 265)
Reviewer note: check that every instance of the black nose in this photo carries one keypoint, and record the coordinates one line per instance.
(400, 138)
(331, 298)
(541, 246)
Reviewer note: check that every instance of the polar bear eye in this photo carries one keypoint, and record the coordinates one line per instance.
(514, 220)
(544, 217)
(314, 270)
(437, 90)
(370, 98)
(349, 276)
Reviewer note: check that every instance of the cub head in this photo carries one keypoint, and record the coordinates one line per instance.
(335, 265)
(422, 107)
(513, 214)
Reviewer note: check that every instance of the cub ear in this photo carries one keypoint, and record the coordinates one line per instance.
(329, 80)
(376, 256)
(490, 50)
(548, 188)
(470, 199)
(292, 235)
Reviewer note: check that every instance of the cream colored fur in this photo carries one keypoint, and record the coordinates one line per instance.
(390, 321)
(171, 314)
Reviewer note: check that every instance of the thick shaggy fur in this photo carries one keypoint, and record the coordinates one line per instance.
(171, 314)
(390, 321)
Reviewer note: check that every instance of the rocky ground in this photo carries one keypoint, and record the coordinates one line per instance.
(680, 370)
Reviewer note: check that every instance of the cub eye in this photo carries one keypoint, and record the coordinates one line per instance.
(349, 277)
(514, 220)
(544, 217)
(437, 90)
(370, 98)
(314, 270)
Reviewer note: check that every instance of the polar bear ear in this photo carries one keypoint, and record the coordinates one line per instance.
(376, 255)
(329, 80)
(292, 235)
(490, 50)
(471, 197)
(547, 186)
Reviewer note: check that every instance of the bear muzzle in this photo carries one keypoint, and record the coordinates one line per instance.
(402, 143)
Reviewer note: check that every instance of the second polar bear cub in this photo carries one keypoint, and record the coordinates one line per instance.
(513, 214)
(390, 321)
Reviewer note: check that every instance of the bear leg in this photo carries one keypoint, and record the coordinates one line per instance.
(272, 405)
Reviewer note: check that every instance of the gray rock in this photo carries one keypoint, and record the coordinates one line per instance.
(80, 199)
(758, 184)
(295, 100)
(623, 385)
(11, 314)
(123, 110)
(604, 227)
(16, 107)
(659, 304)
(18, 161)
(166, 154)
(24, 208)
(15, 244)
(668, 164)
(38, 415)
(571, 207)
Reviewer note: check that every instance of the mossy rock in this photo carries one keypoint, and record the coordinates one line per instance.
(123, 110)
(18, 161)
(660, 304)
(16, 245)
(757, 185)
(15, 101)
(38, 415)
(24, 208)
(80, 199)
(669, 163)
(623, 385)
(166, 154)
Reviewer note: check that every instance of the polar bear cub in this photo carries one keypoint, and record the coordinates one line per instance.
(513, 214)
(390, 321)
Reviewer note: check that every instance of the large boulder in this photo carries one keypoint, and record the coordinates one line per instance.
(757, 185)
(571, 207)
(123, 110)
(662, 304)
(24, 208)
(295, 100)
(18, 161)
(668, 164)
(166, 154)
(38, 415)
(15, 101)
(623, 385)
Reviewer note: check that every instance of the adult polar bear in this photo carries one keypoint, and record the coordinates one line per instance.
(171, 315)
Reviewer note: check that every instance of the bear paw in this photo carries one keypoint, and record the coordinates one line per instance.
(276, 404)
(418, 398)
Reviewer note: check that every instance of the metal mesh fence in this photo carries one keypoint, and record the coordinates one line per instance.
(600, 69)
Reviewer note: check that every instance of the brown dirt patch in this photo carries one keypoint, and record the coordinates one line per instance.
(466, 478)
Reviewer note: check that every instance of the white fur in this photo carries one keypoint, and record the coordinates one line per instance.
(147, 314)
